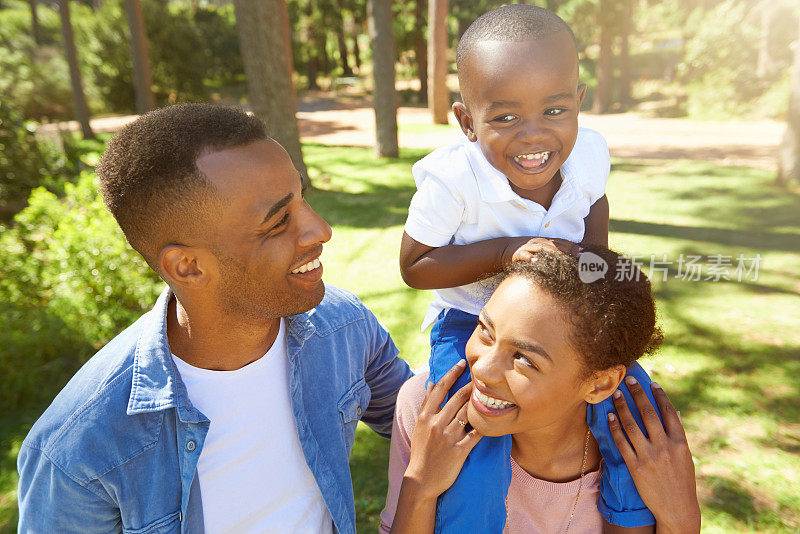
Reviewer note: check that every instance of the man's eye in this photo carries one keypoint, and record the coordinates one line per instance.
(554, 112)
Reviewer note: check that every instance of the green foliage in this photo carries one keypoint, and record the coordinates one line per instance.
(26, 162)
(70, 284)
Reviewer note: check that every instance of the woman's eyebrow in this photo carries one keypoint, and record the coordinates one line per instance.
(532, 347)
(486, 319)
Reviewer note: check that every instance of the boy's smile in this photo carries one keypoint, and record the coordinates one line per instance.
(521, 103)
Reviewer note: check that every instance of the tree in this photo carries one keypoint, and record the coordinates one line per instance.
(263, 27)
(78, 96)
(34, 22)
(142, 79)
(379, 16)
(789, 156)
(421, 49)
(605, 63)
(438, 96)
(338, 18)
(625, 53)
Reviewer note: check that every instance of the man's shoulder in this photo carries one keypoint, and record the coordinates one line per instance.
(90, 410)
(339, 308)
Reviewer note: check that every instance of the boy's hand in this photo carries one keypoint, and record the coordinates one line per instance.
(660, 463)
(532, 246)
(440, 443)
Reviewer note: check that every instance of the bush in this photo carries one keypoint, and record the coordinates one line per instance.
(70, 283)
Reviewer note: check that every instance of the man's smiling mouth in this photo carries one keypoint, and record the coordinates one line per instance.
(310, 266)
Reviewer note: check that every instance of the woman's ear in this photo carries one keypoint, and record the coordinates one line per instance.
(604, 383)
(464, 120)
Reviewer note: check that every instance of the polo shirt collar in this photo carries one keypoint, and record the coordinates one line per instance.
(492, 184)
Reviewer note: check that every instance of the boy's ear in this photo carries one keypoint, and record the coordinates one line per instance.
(188, 267)
(581, 94)
(604, 383)
(464, 120)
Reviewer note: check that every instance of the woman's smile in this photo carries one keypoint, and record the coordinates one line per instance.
(489, 405)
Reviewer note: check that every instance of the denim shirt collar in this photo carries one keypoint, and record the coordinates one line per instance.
(156, 383)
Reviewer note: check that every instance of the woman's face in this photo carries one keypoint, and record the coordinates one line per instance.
(525, 373)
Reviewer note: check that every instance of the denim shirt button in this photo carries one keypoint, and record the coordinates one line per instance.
(358, 412)
(190, 446)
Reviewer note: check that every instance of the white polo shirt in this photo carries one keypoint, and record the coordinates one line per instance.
(461, 199)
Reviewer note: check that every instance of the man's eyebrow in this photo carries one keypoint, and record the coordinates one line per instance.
(559, 96)
(277, 207)
(502, 104)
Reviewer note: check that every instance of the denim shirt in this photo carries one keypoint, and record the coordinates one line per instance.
(117, 449)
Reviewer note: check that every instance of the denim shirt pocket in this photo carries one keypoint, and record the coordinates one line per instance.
(351, 407)
(169, 523)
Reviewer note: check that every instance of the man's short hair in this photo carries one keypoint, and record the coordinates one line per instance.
(515, 22)
(149, 177)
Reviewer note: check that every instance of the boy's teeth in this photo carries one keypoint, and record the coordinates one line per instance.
(538, 156)
(310, 266)
(491, 402)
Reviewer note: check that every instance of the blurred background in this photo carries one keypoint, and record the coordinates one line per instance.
(698, 99)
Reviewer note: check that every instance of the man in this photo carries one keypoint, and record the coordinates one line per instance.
(231, 406)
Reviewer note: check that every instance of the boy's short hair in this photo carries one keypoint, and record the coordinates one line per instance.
(515, 22)
(148, 174)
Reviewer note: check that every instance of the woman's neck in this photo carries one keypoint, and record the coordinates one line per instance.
(555, 453)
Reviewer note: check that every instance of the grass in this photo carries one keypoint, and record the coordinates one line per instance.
(732, 352)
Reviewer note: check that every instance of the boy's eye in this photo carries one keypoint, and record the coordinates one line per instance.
(505, 118)
(554, 112)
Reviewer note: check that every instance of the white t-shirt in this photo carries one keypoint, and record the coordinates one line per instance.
(462, 199)
(252, 473)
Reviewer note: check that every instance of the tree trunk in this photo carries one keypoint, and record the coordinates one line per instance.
(142, 79)
(605, 63)
(789, 155)
(78, 96)
(625, 54)
(340, 40)
(263, 27)
(312, 65)
(438, 96)
(379, 17)
(34, 22)
(765, 67)
(421, 50)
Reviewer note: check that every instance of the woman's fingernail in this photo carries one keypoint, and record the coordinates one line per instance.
(617, 394)
(630, 380)
(655, 385)
(462, 363)
(612, 417)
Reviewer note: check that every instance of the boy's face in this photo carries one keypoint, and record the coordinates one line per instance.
(521, 103)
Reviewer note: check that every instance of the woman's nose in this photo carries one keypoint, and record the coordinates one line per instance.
(488, 367)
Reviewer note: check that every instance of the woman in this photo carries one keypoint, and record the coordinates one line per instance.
(546, 344)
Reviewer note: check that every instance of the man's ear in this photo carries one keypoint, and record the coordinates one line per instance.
(581, 94)
(464, 120)
(604, 383)
(189, 267)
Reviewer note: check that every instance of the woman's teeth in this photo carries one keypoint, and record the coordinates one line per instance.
(491, 402)
(310, 266)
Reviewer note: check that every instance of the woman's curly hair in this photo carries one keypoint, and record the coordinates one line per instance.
(613, 316)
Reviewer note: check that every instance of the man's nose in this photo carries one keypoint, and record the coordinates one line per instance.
(314, 230)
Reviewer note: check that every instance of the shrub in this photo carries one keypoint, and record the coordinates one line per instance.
(70, 283)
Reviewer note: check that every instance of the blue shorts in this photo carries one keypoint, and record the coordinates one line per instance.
(476, 500)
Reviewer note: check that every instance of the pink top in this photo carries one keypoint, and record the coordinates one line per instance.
(534, 505)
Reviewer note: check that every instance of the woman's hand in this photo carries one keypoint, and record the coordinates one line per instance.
(527, 251)
(661, 465)
(440, 443)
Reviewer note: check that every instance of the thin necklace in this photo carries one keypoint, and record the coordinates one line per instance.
(580, 485)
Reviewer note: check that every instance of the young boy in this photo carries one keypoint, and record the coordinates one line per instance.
(525, 177)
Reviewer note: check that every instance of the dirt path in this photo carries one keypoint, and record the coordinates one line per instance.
(352, 123)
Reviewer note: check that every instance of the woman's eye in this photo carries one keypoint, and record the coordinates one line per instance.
(524, 361)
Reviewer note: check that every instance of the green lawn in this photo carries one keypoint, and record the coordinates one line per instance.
(732, 352)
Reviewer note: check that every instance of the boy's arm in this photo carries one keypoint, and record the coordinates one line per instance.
(596, 223)
(425, 267)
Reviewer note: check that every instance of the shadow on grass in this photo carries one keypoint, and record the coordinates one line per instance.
(369, 467)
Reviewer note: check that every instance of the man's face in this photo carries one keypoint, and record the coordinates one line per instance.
(523, 100)
(266, 237)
